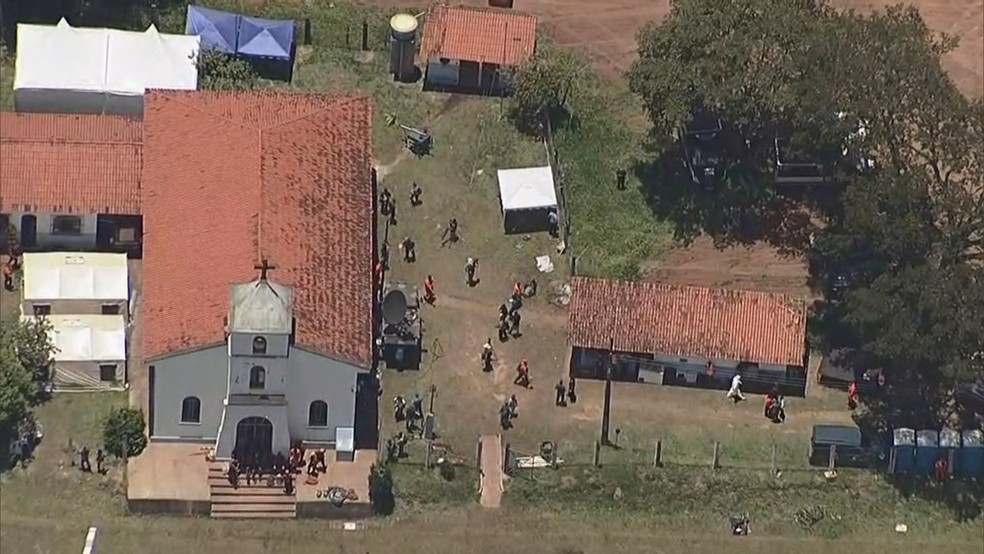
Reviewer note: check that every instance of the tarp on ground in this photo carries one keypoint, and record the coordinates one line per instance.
(65, 69)
(239, 34)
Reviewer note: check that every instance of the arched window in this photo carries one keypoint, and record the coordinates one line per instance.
(318, 414)
(259, 345)
(257, 377)
(191, 410)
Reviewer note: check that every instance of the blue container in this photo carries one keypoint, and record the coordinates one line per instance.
(927, 450)
(950, 448)
(904, 449)
(971, 458)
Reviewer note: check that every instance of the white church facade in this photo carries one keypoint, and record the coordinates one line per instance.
(261, 389)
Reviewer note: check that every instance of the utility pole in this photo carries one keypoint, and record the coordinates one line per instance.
(606, 414)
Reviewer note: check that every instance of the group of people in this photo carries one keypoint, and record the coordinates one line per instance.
(411, 413)
(509, 311)
(508, 412)
(565, 394)
(278, 469)
(84, 463)
(775, 402)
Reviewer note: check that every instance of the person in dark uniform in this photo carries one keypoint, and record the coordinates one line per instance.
(84, 463)
(561, 398)
(409, 250)
(571, 393)
(620, 179)
(100, 458)
(415, 193)
(514, 320)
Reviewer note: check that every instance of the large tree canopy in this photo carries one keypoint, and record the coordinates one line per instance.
(25, 355)
(908, 236)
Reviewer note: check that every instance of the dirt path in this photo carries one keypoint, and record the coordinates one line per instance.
(490, 486)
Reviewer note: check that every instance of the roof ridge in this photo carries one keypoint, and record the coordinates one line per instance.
(70, 141)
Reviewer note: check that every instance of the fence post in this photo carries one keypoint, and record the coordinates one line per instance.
(775, 459)
(596, 458)
(716, 459)
(365, 35)
(891, 461)
(832, 458)
(427, 459)
(478, 454)
(505, 459)
(658, 454)
(307, 31)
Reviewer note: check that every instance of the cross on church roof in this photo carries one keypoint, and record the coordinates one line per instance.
(264, 266)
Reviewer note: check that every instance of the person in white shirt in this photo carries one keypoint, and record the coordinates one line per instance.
(734, 392)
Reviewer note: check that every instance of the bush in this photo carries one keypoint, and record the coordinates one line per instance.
(381, 490)
(123, 433)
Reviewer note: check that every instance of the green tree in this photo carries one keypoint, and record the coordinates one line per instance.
(219, 71)
(123, 432)
(541, 86)
(381, 490)
(25, 356)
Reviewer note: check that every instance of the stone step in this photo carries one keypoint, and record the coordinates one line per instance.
(254, 507)
(225, 484)
(280, 500)
(254, 515)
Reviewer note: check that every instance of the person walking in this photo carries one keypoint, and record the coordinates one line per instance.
(523, 374)
(415, 193)
(571, 393)
(409, 250)
(392, 214)
(8, 277)
(84, 463)
(561, 398)
(553, 221)
(450, 234)
(471, 267)
(384, 254)
(487, 356)
(734, 393)
(503, 329)
(100, 458)
(514, 320)
(430, 296)
(385, 201)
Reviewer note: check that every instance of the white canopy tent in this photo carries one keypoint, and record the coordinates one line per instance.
(527, 196)
(64, 69)
(53, 276)
(90, 350)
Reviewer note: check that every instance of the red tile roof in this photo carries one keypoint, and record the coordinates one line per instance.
(70, 163)
(231, 178)
(484, 35)
(654, 318)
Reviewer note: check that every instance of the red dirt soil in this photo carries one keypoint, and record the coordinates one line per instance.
(606, 29)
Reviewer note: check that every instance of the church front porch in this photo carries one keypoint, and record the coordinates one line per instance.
(169, 477)
(349, 475)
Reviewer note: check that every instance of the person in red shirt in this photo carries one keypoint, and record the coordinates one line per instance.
(942, 470)
(429, 295)
(8, 277)
(852, 396)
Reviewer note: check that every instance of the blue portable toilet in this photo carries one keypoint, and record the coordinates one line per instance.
(904, 449)
(927, 450)
(972, 454)
(950, 448)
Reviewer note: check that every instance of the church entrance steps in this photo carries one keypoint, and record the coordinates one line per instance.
(247, 501)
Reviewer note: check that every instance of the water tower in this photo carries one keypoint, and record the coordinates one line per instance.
(403, 38)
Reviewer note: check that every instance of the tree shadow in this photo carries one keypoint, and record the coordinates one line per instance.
(742, 208)
(964, 498)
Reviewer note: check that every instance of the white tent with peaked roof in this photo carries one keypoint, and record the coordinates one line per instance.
(527, 196)
(65, 69)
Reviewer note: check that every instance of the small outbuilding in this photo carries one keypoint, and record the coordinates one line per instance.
(75, 283)
(267, 44)
(472, 49)
(527, 197)
(65, 69)
(90, 351)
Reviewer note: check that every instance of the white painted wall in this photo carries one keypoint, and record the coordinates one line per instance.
(316, 377)
(202, 373)
(45, 238)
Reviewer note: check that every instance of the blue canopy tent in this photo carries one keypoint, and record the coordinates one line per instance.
(267, 44)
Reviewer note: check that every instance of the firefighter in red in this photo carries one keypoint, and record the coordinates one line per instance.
(379, 274)
(8, 277)
(942, 470)
(429, 295)
(523, 374)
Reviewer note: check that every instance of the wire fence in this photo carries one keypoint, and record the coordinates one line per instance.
(560, 183)
(528, 461)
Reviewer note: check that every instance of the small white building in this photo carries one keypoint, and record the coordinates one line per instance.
(527, 197)
(90, 351)
(65, 69)
(75, 283)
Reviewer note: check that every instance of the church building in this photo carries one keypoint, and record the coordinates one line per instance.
(257, 300)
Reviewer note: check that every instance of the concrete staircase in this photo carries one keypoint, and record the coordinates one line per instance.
(247, 502)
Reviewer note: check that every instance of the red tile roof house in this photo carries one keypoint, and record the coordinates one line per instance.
(240, 357)
(667, 334)
(471, 49)
(71, 181)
